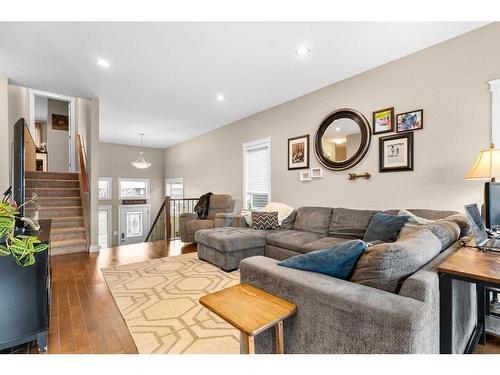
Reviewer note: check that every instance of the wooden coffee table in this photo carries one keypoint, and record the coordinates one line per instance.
(252, 311)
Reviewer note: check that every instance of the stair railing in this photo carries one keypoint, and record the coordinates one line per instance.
(166, 224)
(84, 187)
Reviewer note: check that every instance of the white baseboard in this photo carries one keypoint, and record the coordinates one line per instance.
(94, 248)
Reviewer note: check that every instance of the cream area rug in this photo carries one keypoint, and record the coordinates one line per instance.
(159, 301)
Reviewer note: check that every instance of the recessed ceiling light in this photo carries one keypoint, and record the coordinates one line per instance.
(220, 97)
(302, 51)
(337, 128)
(103, 63)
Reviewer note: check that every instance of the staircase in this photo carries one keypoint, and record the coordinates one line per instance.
(59, 200)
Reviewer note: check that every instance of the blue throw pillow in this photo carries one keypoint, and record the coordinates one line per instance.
(384, 227)
(337, 261)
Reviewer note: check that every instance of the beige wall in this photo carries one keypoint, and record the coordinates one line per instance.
(114, 161)
(449, 81)
(57, 140)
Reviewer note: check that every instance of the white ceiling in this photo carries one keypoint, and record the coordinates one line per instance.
(164, 77)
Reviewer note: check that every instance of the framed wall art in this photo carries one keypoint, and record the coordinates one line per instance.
(60, 122)
(396, 153)
(410, 121)
(383, 121)
(298, 152)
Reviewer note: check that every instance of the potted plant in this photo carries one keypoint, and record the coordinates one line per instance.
(22, 247)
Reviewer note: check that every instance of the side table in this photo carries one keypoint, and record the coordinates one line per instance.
(252, 311)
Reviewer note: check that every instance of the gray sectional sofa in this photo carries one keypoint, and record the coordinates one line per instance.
(389, 305)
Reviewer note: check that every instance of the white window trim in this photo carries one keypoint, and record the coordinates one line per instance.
(148, 187)
(495, 111)
(110, 180)
(110, 223)
(250, 146)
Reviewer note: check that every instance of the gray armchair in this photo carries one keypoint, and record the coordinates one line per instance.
(220, 214)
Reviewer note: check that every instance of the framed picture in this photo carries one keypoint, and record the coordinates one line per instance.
(383, 121)
(60, 122)
(305, 175)
(396, 153)
(316, 172)
(298, 152)
(410, 121)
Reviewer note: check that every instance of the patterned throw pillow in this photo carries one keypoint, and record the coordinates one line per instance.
(265, 220)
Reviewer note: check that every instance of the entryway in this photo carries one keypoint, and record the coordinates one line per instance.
(133, 223)
(52, 124)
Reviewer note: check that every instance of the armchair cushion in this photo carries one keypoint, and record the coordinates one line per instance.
(194, 225)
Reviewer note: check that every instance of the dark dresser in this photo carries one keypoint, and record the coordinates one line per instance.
(25, 297)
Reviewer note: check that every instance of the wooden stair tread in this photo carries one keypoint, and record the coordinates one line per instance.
(67, 218)
(71, 242)
(59, 207)
(70, 229)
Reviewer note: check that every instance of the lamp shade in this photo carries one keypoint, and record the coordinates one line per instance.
(487, 165)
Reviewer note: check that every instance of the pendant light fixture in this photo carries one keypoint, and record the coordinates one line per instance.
(140, 163)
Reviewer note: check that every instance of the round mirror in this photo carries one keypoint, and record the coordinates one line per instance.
(342, 140)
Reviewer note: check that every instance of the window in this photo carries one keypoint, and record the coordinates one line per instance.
(104, 227)
(133, 188)
(105, 187)
(174, 187)
(257, 173)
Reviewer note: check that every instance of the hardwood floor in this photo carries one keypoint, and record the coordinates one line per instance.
(84, 316)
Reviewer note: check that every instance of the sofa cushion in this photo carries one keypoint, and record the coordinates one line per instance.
(350, 223)
(282, 209)
(461, 221)
(288, 222)
(265, 220)
(425, 213)
(322, 243)
(448, 232)
(291, 239)
(195, 225)
(384, 227)
(337, 261)
(313, 219)
(385, 266)
(231, 239)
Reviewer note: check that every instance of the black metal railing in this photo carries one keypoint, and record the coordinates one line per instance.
(166, 223)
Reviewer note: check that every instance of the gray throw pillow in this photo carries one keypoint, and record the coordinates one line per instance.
(384, 227)
(265, 220)
(385, 266)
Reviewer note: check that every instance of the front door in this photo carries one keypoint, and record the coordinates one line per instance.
(133, 224)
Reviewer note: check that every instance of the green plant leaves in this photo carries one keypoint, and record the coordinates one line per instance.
(22, 248)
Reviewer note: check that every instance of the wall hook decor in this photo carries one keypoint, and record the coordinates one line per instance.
(354, 176)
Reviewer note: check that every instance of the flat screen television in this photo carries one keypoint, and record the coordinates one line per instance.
(492, 205)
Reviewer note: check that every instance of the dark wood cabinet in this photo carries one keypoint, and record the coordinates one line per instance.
(25, 297)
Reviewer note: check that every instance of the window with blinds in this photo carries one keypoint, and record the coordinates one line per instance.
(257, 174)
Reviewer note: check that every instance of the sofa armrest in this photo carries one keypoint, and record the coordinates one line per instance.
(239, 221)
(338, 316)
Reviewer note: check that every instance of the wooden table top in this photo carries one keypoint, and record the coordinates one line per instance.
(247, 308)
(473, 263)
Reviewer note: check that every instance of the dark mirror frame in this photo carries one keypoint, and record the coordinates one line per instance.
(366, 135)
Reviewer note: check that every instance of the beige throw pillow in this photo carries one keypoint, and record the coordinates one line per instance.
(414, 223)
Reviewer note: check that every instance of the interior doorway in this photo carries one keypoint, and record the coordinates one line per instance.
(53, 127)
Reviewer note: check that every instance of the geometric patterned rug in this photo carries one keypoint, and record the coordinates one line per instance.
(159, 301)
